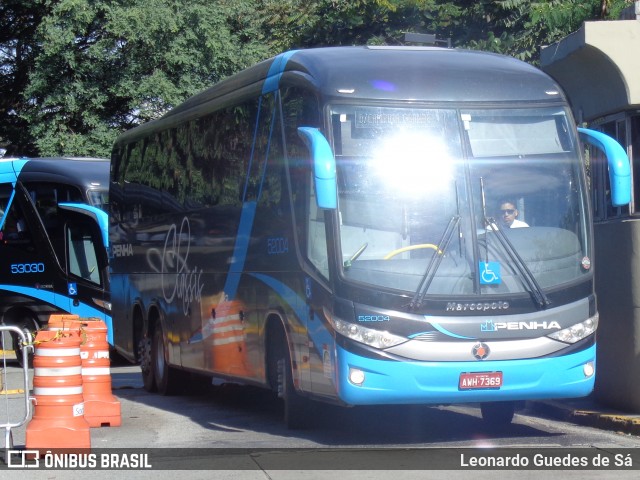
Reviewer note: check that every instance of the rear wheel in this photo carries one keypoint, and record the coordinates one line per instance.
(146, 364)
(498, 413)
(167, 379)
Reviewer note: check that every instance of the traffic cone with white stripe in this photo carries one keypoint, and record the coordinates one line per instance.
(58, 415)
(101, 408)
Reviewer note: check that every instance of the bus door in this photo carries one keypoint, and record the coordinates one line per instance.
(30, 277)
(81, 246)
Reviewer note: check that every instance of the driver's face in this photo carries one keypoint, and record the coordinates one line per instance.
(508, 213)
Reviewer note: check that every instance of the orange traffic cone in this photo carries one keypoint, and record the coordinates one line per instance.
(101, 408)
(58, 415)
(64, 321)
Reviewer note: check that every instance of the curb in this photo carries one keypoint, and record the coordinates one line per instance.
(617, 422)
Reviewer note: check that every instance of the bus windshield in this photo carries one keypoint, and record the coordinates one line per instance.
(457, 202)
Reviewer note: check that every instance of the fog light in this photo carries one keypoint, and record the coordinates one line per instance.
(588, 369)
(356, 376)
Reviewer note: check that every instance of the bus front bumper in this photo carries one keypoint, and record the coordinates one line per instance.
(411, 382)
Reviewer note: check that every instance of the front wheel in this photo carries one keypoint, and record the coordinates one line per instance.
(297, 414)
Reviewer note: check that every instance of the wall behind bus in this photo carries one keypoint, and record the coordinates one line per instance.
(618, 288)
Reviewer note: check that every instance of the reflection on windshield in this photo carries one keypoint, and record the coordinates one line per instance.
(402, 177)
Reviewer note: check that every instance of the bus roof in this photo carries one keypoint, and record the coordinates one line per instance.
(409, 74)
(86, 171)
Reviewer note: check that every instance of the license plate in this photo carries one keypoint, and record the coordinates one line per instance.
(480, 380)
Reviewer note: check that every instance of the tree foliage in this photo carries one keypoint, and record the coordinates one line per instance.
(105, 66)
(76, 73)
(19, 20)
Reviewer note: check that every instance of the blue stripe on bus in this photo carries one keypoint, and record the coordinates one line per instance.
(61, 302)
(243, 238)
(272, 82)
(299, 306)
(443, 330)
(266, 157)
(247, 216)
(6, 209)
(291, 298)
(253, 149)
(10, 170)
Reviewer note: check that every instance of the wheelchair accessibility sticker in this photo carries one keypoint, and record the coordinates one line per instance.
(490, 273)
(72, 288)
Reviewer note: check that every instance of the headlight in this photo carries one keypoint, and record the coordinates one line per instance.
(368, 336)
(577, 332)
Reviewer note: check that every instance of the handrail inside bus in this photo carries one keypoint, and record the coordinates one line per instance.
(324, 166)
(619, 168)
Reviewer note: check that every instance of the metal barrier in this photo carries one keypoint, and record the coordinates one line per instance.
(11, 396)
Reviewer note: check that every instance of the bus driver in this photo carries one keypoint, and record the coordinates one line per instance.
(509, 215)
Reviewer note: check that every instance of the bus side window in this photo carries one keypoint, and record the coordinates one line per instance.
(14, 228)
(83, 260)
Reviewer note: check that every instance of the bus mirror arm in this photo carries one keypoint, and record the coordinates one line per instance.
(619, 168)
(324, 166)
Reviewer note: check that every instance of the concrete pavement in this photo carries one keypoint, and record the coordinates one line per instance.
(588, 412)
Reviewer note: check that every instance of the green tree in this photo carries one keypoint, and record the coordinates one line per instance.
(305, 24)
(106, 66)
(513, 27)
(520, 27)
(19, 20)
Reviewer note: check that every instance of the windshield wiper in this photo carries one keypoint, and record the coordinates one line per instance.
(353, 258)
(539, 297)
(434, 263)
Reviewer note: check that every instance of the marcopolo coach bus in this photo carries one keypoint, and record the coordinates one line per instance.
(53, 233)
(338, 224)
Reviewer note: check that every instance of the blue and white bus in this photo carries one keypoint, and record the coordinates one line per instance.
(335, 224)
(53, 233)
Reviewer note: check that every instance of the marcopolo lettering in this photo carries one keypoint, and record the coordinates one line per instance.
(476, 306)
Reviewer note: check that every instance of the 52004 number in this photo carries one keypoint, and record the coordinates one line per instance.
(19, 268)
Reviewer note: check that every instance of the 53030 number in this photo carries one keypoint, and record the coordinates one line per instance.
(19, 268)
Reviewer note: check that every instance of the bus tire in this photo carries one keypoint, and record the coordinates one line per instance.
(146, 365)
(496, 414)
(296, 416)
(167, 380)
